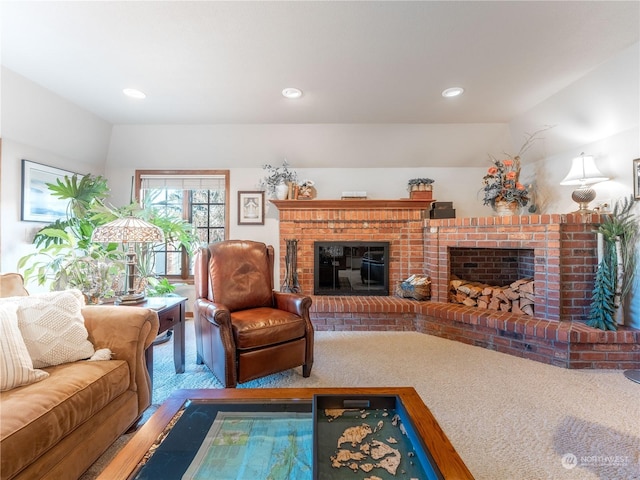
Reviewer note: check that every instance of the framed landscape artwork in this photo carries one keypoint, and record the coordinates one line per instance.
(250, 208)
(38, 204)
(636, 179)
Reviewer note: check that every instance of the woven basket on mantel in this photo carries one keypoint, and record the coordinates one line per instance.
(417, 287)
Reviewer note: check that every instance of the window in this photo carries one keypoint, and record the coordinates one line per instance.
(199, 197)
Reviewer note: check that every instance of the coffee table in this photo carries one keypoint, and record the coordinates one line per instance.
(127, 462)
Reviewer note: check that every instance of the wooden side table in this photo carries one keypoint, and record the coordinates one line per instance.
(171, 313)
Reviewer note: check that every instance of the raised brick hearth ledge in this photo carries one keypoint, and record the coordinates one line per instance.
(566, 344)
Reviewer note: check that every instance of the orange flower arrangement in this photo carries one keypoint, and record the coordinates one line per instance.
(502, 181)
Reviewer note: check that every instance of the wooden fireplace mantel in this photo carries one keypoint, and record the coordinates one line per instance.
(402, 203)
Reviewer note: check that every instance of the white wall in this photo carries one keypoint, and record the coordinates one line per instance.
(598, 106)
(34, 116)
(44, 128)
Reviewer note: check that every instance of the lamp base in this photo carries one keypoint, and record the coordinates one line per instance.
(583, 196)
(132, 298)
(583, 211)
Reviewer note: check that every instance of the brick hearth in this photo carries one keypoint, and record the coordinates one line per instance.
(564, 262)
(565, 344)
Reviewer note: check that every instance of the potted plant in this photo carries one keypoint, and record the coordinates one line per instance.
(276, 182)
(66, 256)
(619, 232)
(420, 188)
(502, 188)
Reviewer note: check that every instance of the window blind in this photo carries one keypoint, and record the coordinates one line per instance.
(183, 182)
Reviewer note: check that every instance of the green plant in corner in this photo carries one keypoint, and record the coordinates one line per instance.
(67, 257)
(615, 274)
(160, 287)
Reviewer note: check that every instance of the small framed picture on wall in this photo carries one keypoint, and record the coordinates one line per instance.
(636, 179)
(250, 208)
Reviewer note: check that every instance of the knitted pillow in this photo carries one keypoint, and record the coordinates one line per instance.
(53, 328)
(16, 367)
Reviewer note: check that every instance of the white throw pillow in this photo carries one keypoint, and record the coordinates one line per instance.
(53, 328)
(16, 367)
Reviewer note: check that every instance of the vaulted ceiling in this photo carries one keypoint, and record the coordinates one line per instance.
(216, 62)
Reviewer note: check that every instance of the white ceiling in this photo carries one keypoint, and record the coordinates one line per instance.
(210, 62)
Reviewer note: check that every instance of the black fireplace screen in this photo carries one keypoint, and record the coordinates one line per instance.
(351, 268)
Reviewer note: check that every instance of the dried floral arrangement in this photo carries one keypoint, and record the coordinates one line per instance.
(502, 181)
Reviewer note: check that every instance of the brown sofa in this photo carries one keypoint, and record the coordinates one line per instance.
(57, 427)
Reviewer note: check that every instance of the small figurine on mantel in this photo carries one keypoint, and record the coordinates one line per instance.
(306, 190)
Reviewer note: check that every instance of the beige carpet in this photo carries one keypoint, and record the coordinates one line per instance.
(507, 417)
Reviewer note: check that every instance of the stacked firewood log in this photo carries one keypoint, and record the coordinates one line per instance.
(518, 297)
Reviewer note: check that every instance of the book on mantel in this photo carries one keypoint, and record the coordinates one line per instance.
(354, 196)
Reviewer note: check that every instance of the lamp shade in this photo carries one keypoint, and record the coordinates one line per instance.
(128, 230)
(583, 172)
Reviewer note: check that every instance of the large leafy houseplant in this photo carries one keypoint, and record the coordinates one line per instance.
(66, 257)
(616, 270)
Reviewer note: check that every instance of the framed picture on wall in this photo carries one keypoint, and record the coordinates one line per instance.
(636, 178)
(250, 208)
(38, 204)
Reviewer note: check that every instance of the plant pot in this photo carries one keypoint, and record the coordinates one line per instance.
(282, 191)
(421, 194)
(506, 209)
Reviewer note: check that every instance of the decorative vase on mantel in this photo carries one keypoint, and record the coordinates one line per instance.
(282, 191)
(506, 209)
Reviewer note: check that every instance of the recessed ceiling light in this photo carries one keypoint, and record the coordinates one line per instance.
(133, 93)
(452, 92)
(291, 92)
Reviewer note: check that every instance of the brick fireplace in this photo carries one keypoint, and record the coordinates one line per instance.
(564, 250)
(399, 222)
(559, 250)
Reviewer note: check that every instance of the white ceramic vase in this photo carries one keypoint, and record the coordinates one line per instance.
(282, 191)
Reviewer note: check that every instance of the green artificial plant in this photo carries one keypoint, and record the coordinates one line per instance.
(616, 270)
(66, 257)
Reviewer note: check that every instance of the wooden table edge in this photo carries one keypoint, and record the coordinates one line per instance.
(446, 457)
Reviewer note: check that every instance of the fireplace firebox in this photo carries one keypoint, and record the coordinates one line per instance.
(495, 266)
(351, 268)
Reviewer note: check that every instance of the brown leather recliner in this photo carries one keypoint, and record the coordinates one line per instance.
(245, 329)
